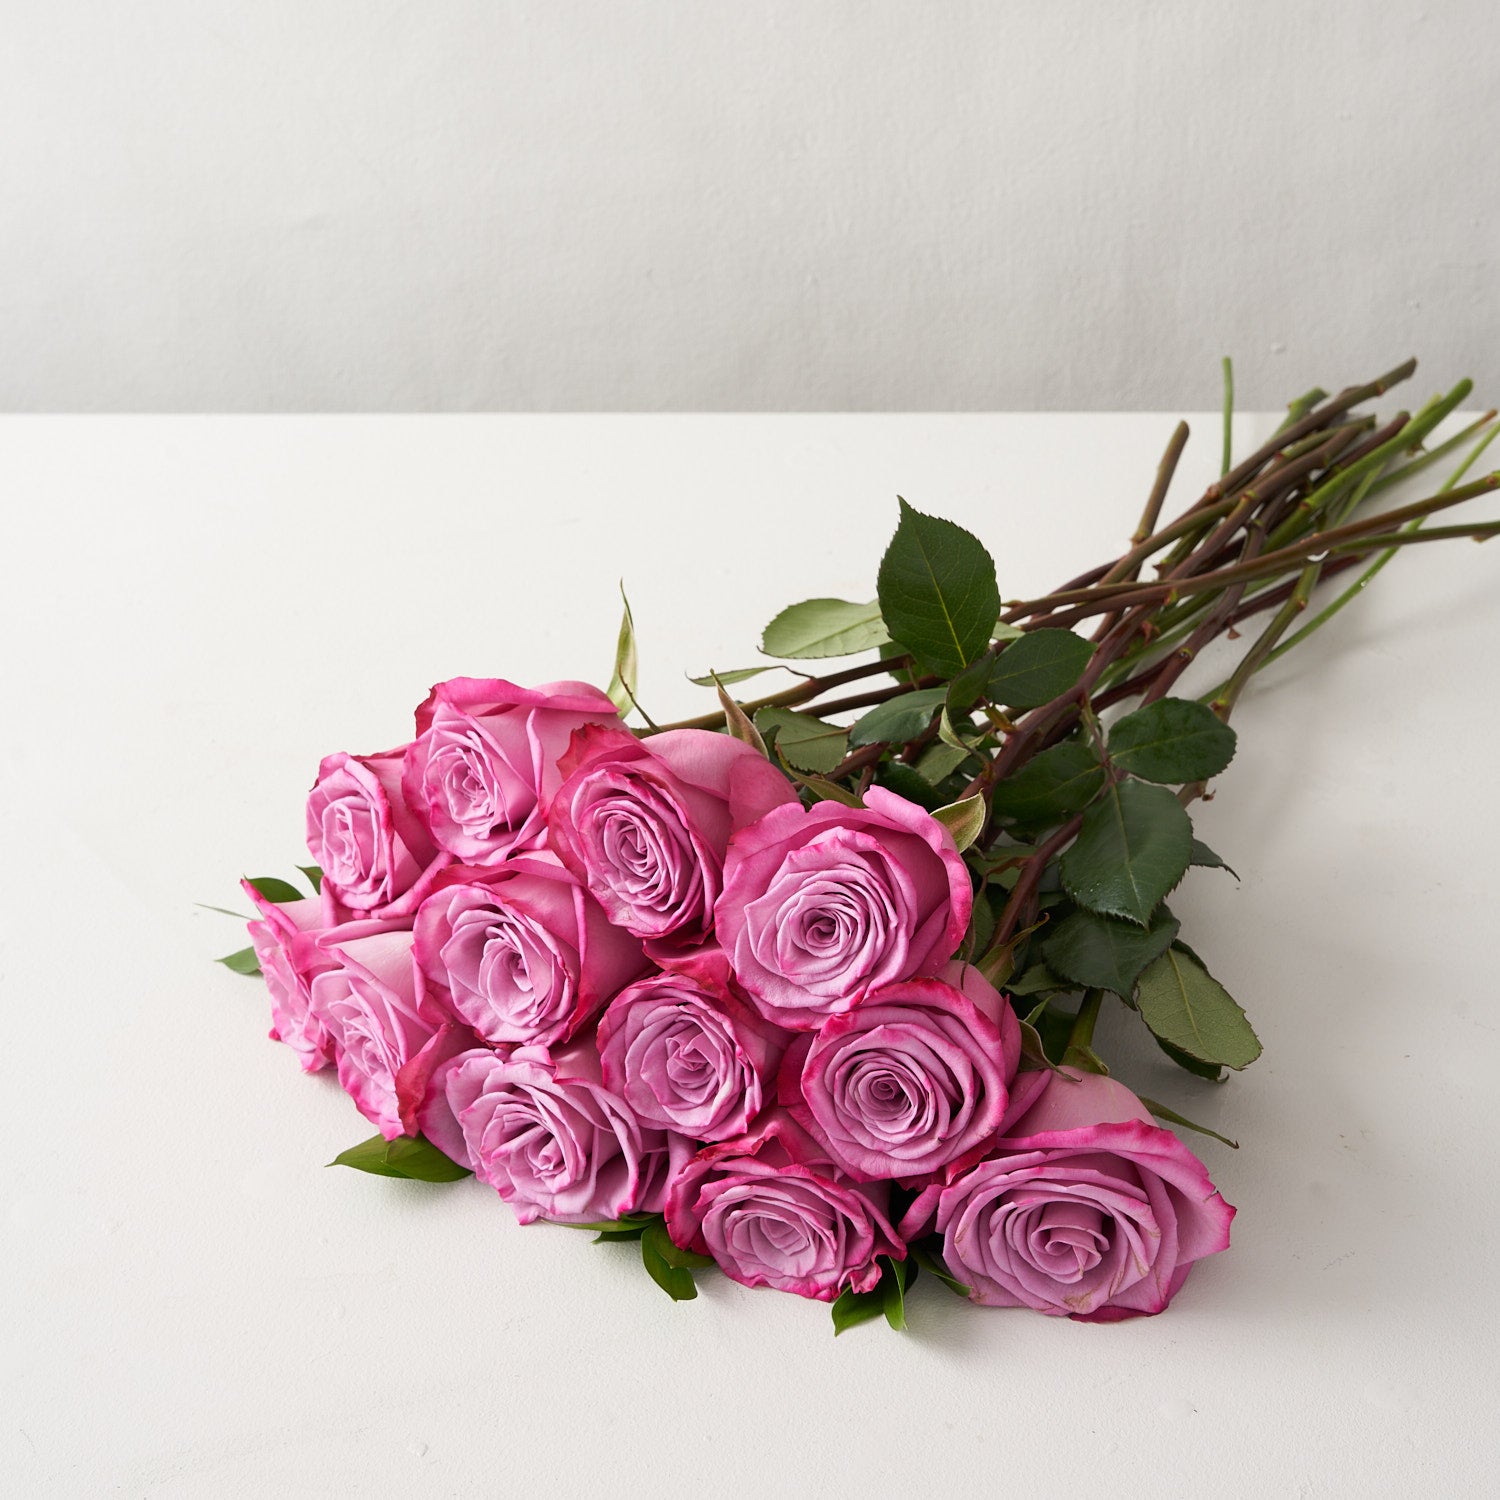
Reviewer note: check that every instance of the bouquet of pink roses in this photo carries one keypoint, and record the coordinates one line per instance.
(806, 988)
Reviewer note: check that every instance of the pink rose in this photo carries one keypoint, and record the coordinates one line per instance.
(485, 761)
(916, 1076)
(544, 1132)
(1086, 1208)
(288, 955)
(772, 1211)
(367, 1003)
(375, 853)
(646, 824)
(521, 951)
(822, 905)
(687, 1054)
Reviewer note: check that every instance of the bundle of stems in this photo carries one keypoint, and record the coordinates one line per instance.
(1297, 513)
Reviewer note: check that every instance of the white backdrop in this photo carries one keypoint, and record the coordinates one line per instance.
(849, 204)
(193, 610)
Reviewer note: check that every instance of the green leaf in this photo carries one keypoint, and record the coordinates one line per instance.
(938, 593)
(619, 1236)
(822, 788)
(970, 685)
(982, 922)
(900, 663)
(633, 1225)
(243, 962)
(1207, 859)
(896, 1277)
(852, 1308)
(1172, 1117)
(410, 1156)
(964, 820)
(824, 627)
(1133, 848)
(1211, 1071)
(279, 891)
(940, 761)
(1004, 631)
(932, 1262)
(664, 1263)
(1185, 1005)
(1038, 979)
(670, 1251)
(738, 723)
(807, 743)
(1173, 741)
(1105, 953)
(898, 720)
(950, 736)
(223, 911)
(621, 689)
(904, 781)
(739, 674)
(1051, 786)
(314, 877)
(1039, 667)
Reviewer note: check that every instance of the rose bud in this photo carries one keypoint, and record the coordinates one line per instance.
(1084, 1209)
(520, 951)
(484, 764)
(544, 1132)
(376, 856)
(914, 1077)
(687, 1054)
(646, 824)
(368, 1005)
(822, 905)
(285, 948)
(773, 1211)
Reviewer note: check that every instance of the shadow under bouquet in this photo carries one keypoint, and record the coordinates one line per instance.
(806, 988)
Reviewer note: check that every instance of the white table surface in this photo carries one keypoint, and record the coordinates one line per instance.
(195, 609)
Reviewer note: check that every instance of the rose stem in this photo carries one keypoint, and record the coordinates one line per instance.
(1228, 416)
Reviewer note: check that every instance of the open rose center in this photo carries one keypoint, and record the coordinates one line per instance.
(1066, 1240)
(830, 928)
(350, 840)
(467, 778)
(507, 977)
(648, 860)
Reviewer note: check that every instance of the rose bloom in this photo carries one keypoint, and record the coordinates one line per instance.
(645, 823)
(544, 1132)
(822, 905)
(284, 939)
(520, 951)
(375, 854)
(916, 1076)
(688, 1054)
(367, 1003)
(773, 1211)
(1085, 1209)
(484, 764)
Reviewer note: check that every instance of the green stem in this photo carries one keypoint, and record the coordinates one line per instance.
(1358, 586)
(1224, 697)
(1299, 408)
(1228, 453)
(1432, 455)
(1412, 432)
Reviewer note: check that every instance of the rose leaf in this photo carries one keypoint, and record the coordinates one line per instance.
(1172, 741)
(938, 593)
(1134, 846)
(824, 627)
(409, 1156)
(1185, 1005)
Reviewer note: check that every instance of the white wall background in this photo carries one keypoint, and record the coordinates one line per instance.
(573, 204)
